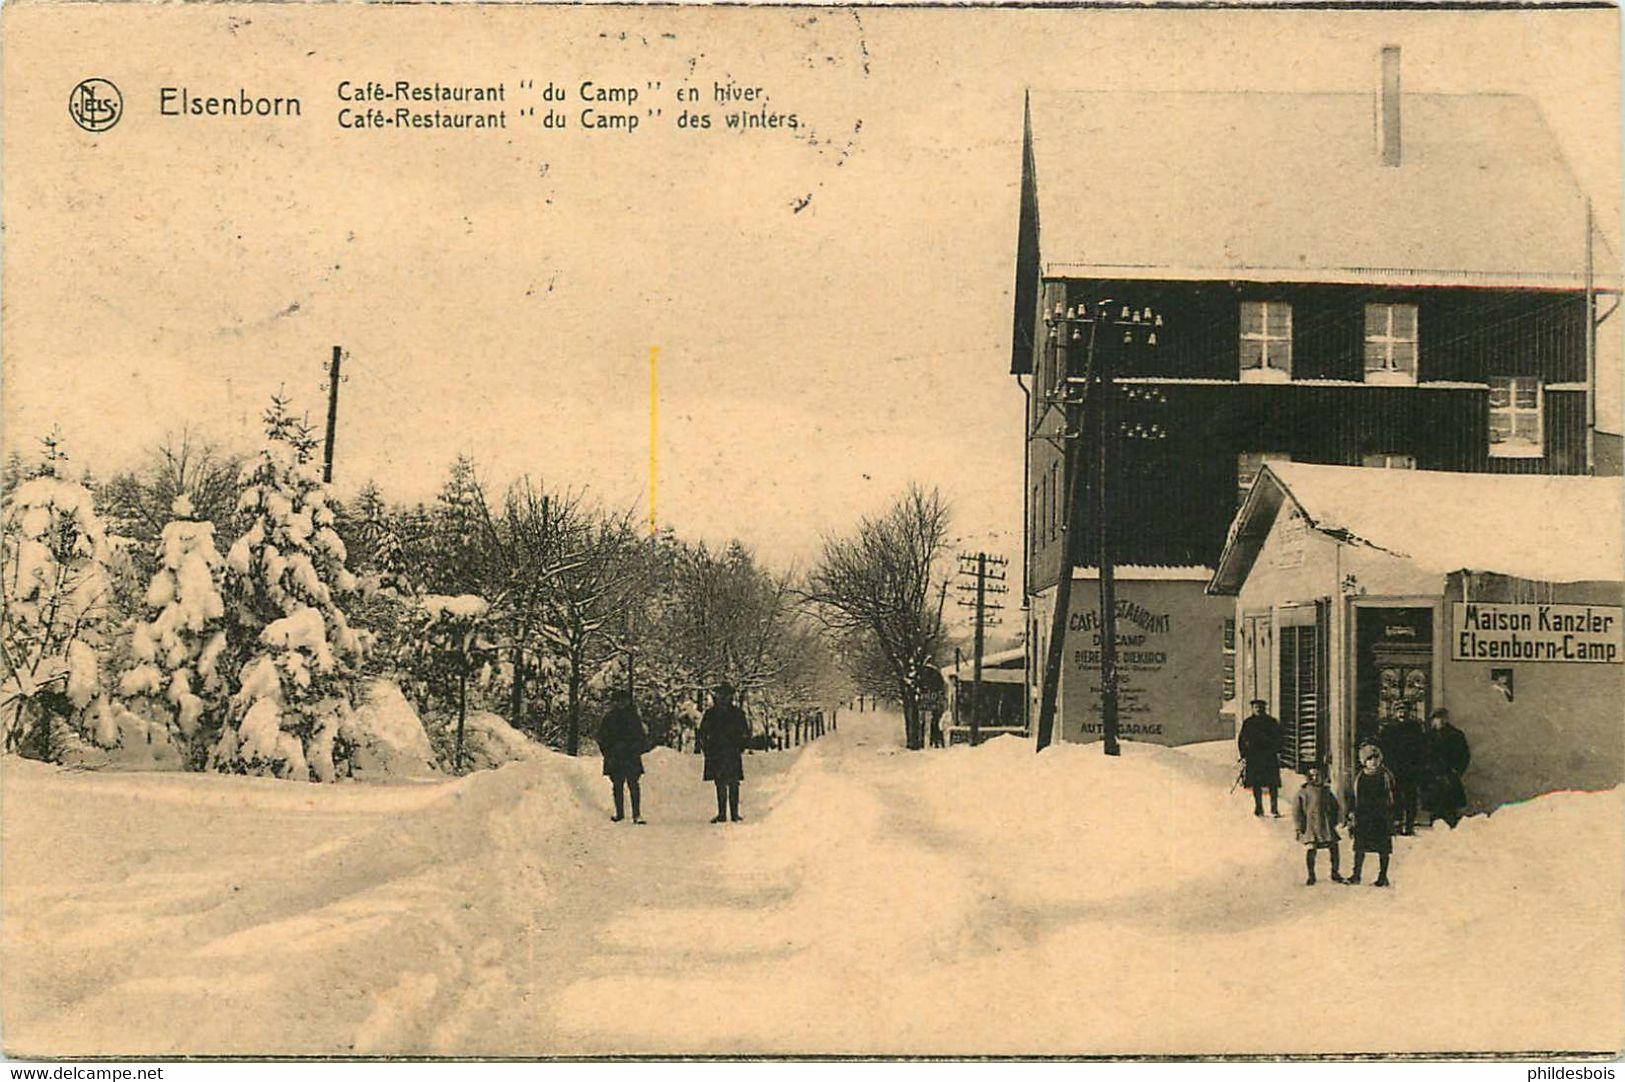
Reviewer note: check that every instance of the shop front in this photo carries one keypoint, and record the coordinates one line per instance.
(1361, 602)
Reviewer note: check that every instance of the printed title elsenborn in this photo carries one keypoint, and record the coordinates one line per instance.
(180, 101)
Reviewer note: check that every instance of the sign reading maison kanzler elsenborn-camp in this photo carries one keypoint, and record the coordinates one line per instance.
(1535, 632)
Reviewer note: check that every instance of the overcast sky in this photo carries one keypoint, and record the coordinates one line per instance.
(498, 295)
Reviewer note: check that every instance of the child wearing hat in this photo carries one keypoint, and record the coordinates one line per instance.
(1315, 814)
(1371, 819)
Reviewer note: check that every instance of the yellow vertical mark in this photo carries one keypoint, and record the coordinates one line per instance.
(654, 429)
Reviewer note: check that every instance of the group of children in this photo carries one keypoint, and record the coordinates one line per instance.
(1317, 813)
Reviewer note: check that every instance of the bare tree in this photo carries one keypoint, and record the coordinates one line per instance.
(880, 591)
(584, 605)
(733, 618)
(137, 504)
(532, 550)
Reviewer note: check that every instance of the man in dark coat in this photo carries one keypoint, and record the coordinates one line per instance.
(1404, 745)
(622, 739)
(1259, 743)
(1448, 756)
(723, 735)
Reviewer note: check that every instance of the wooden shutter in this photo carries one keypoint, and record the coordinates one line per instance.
(1305, 668)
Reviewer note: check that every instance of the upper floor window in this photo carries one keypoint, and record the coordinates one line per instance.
(1266, 341)
(1515, 417)
(1389, 462)
(1390, 343)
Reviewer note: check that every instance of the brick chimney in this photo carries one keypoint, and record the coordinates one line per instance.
(1388, 107)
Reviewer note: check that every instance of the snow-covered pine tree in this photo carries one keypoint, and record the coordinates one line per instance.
(178, 679)
(299, 658)
(55, 583)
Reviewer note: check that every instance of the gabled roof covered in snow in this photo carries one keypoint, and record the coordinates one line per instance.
(1289, 187)
(1534, 526)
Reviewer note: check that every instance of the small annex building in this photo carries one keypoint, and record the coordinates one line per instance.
(999, 702)
(1364, 594)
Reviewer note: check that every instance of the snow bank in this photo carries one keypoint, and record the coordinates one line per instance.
(388, 738)
(489, 741)
(226, 915)
(137, 745)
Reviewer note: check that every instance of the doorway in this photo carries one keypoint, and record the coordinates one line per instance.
(1255, 645)
(1393, 676)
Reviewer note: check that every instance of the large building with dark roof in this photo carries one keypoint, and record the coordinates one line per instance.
(1380, 280)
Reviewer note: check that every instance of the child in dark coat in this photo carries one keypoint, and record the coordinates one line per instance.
(1315, 815)
(1371, 819)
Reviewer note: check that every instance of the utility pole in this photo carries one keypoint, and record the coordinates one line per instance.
(332, 413)
(958, 662)
(974, 566)
(1066, 334)
(1108, 570)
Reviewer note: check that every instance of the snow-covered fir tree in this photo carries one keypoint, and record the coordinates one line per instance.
(56, 586)
(299, 658)
(178, 680)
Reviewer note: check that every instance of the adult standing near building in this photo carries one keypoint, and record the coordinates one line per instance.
(1259, 743)
(1448, 756)
(723, 735)
(623, 740)
(1404, 746)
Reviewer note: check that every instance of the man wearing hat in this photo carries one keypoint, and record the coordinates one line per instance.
(723, 735)
(1259, 743)
(623, 740)
(1448, 757)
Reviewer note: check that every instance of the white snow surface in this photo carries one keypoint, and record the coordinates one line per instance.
(874, 901)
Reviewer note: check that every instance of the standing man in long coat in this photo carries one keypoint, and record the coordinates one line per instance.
(1259, 743)
(723, 735)
(1404, 746)
(1448, 757)
(623, 740)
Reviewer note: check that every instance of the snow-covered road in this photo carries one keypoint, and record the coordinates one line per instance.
(873, 902)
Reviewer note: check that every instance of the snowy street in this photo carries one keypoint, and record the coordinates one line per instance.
(1084, 905)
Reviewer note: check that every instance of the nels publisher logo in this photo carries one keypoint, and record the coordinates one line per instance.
(95, 105)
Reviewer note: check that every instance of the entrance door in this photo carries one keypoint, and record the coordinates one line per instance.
(1255, 658)
(1394, 676)
(1304, 676)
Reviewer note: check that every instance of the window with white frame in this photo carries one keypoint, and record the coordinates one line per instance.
(1515, 417)
(1390, 343)
(1266, 340)
(1389, 461)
